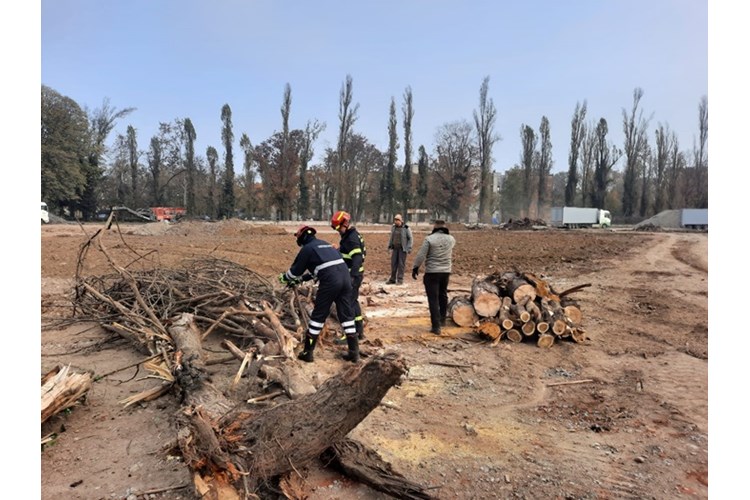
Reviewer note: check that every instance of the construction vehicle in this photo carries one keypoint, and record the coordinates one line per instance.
(168, 213)
(577, 217)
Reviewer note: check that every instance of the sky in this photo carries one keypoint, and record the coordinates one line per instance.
(185, 59)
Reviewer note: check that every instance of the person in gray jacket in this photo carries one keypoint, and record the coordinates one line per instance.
(400, 244)
(437, 254)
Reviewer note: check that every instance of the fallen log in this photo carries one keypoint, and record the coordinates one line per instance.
(545, 340)
(461, 311)
(514, 335)
(520, 290)
(504, 319)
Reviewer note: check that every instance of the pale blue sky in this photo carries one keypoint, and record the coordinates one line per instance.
(175, 59)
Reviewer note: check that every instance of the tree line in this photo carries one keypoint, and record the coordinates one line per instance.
(277, 178)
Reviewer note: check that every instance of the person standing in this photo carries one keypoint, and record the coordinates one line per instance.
(353, 250)
(437, 254)
(323, 261)
(399, 244)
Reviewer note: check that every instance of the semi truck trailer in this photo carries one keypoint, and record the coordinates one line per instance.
(576, 217)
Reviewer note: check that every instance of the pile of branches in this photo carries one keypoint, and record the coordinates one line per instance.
(519, 306)
(221, 295)
(524, 223)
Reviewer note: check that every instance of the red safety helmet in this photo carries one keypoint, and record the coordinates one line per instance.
(302, 233)
(339, 219)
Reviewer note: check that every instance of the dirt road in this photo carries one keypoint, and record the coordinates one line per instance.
(624, 415)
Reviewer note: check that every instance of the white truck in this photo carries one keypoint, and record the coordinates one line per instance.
(694, 218)
(575, 217)
(45, 214)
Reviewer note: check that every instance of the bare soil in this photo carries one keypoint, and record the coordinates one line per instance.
(624, 415)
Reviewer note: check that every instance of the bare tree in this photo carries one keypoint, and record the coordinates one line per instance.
(634, 127)
(676, 167)
(544, 165)
(102, 120)
(528, 150)
(660, 161)
(212, 156)
(646, 173)
(226, 208)
(484, 120)
(249, 175)
(341, 192)
(190, 137)
(388, 179)
(577, 135)
(455, 173)
(422, 181)
(697, 183)
(406, 185)
(607, 156)
(312, 131)
(588, 159)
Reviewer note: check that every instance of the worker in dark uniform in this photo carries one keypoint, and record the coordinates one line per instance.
(324, 262)
(353, 250)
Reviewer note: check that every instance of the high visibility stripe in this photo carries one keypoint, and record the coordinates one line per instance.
(314, 331)
(352, 253)
(328, 264)
(350, 331)
(317, 324)
(347, 323)
(358, 318)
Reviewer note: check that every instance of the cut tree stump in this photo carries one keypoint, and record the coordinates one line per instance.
(545, 340)
(461, 311)
(485, 297)
(514, 335)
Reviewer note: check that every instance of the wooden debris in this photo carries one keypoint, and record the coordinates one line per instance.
(62, 389)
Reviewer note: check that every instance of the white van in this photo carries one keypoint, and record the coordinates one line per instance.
(45, 214)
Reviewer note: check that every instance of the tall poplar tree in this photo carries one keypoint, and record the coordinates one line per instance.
(484, 120)
(577, 135)
(408, 111)
(226, 208)
(545, 165)
(190, 137)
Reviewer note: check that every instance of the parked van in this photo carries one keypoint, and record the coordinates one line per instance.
(45, 214)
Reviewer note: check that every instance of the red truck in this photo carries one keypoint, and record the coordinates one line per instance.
(168, 213)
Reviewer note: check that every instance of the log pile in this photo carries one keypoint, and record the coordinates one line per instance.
(519, 307)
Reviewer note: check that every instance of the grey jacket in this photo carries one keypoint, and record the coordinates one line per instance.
(406, 238)
(436, 252)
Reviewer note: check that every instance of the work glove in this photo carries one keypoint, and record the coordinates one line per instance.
(414, 272)
(285, 280)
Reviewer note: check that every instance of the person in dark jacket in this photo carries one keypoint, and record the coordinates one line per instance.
(399, 244)
(321, 260)
(437, 254)
(353, 250)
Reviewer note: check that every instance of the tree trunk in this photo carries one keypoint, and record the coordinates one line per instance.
(489, 328)
(461, 311)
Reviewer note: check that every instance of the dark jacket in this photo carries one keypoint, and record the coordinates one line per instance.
(353, 250)
(319, 258)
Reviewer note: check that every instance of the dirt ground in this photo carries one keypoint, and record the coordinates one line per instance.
(623, 415)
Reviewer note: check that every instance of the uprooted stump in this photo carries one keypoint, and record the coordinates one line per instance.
(242, 449)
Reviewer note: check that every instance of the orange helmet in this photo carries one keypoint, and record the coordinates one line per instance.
(339, 219)
(302, 233)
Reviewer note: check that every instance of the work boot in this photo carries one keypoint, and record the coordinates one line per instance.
(435, 330)
(353, 354)
(390, 282)
(307, 351)
(340, 340)
(443, 320)
(360, 326)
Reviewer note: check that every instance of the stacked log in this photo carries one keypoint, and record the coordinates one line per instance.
(519, 307)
